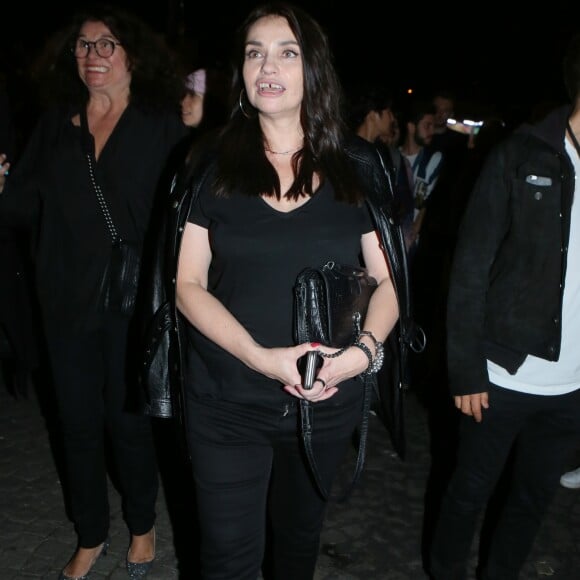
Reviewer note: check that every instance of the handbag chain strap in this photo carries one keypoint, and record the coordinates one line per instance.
(102, 202)
(357, 328)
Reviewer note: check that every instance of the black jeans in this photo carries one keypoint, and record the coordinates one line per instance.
(249, 464)
(89, 377)
(545, 431)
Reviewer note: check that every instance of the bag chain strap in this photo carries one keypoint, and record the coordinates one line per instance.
(356, 322)
(102, 203)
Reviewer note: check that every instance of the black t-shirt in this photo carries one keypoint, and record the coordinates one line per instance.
(257, 254)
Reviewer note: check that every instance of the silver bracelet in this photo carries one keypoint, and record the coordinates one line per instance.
(379, 359)
(375, 363)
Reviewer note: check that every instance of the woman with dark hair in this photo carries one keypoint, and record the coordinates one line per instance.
(112, 121)
(283, 189)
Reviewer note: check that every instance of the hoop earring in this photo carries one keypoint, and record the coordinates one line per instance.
(241, 105)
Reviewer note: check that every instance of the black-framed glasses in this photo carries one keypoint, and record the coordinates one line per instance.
(104, 47)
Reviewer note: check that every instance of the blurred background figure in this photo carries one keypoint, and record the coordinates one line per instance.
(204, 109)
(19, 332)
(371, 113)
(372, 117)
(444, 103)
(425, 161)
(444, 139)
(430, 291)
(204, 105)
(192, 102)
(403, 179)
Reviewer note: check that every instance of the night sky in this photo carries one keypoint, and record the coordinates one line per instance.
(490, 59)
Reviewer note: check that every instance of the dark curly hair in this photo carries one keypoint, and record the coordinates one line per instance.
(243, 165)
(157, 73)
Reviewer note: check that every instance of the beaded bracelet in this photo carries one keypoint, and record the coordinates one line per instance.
(379, 359)
(334, 354)
(369, 354)
(376, 363)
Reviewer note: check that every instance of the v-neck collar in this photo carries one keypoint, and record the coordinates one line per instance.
(87, 139)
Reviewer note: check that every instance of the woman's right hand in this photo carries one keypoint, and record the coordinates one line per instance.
(280, 363)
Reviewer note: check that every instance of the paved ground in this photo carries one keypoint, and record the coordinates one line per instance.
(376, 535)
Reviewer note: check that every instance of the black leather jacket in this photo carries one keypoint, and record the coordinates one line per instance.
(161, 374)
(507, 280)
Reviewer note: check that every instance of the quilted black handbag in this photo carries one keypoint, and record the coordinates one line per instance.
(330, 304)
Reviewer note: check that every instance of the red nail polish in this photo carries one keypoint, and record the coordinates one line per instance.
(314, 344)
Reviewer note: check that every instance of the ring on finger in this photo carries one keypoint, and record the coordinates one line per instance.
(321, 381)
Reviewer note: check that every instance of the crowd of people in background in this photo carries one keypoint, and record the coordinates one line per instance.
(124, 119)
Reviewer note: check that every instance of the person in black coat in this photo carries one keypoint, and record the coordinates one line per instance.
(513, 326)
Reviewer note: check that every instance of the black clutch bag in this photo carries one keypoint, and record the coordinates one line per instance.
(330, 305)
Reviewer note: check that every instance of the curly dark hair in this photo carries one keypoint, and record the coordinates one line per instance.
(157, 73)
(243, 165)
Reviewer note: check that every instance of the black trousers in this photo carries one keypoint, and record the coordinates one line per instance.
(91, 388)
(248, 464)
(545, 431)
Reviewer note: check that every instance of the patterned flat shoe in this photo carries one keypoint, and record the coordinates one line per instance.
(139, 570)
(86, 576)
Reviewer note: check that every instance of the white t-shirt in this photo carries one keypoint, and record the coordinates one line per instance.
(423, 184)
(538, 376)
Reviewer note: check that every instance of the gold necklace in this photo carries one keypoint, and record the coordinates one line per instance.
(282, 152)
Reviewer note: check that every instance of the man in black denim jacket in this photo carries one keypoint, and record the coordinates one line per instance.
(513, 329)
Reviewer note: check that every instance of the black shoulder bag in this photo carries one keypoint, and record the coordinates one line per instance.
(120, 281)
(330, 305)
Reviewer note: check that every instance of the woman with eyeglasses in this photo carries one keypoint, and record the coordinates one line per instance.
(112, 125)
